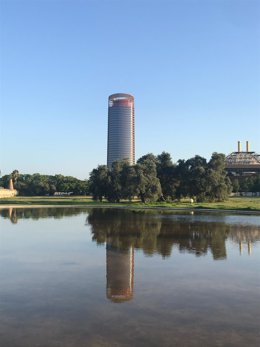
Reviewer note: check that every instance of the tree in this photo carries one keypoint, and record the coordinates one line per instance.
(201, 180)
(235, 185)
(256, 184)
(166, 174)
(37, 184)
(190, 176)
(115, 184)
(181, 176)
(147, 183)
(128, 181)
(147, 158)
(121, 181)
(15, 175)
(98, 182)
(218, 185)
(197, 167)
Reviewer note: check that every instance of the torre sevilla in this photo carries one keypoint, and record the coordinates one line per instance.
(121, 128)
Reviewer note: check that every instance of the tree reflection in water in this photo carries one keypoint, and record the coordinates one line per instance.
(123, 230)
(14, 214)
(152, 231)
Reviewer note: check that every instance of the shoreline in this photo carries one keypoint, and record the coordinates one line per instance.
(129, 207)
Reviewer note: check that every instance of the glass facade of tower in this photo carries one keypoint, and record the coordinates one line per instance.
(121, 128)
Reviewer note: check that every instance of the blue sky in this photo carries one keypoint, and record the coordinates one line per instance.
(192, 66)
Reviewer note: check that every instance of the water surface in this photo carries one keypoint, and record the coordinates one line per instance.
(74, 277)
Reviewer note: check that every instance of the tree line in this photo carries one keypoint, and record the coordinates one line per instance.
(39, 185)
(245, 183)
(153, 178)
(157, 178)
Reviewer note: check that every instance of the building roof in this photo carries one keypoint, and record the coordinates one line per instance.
(245, 161)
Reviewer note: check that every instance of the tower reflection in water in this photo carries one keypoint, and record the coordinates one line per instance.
(120, 273)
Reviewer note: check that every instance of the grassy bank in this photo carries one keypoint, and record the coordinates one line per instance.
(234, 203)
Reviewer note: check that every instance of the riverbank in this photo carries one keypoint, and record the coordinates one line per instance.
(233, 204)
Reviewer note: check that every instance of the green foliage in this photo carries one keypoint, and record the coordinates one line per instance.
(235, 185)
(37, 184)
(166, 174)
(158, 179)
(116, 183)
(192, 176)
(128, 182)
(203, 181)
(153, 178)
(256, 184)
(218, 185)
(148, 184)
(245, 183)
(98, 182)
(124, 181)
(15, 175)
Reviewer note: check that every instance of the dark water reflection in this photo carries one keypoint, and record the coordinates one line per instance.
(14, 214)
(154, 233)
(171, 279)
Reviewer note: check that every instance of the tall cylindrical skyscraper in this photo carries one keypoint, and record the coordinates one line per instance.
(121, 128)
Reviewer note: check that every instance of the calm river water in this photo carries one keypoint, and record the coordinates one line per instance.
(74, 277)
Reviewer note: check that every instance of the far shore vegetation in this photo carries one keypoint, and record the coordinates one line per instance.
(154, 181)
